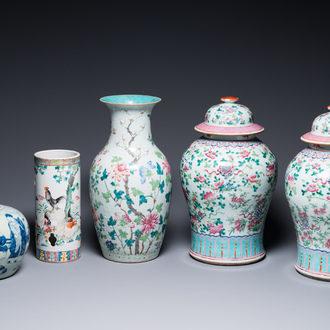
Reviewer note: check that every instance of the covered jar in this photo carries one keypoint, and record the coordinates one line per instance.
(307, 189)
(228, 178)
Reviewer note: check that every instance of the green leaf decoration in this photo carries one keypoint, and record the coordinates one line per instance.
(122, 233)
(144, 237)
(168, 197)
(107, 196)
(138, 232)
(159, 169)
(116, 159)
(159, 207)
(128, 200)
(159, 154)
(154, 184)
(138, 220)
(111, 222)
(142, 200)
(149, 174)
(129, 242)
(136, 192)
(104, 175)
(161, 187)
(118, 193)
(113, 235)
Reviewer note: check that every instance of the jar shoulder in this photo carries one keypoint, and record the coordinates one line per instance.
(235, 150)
(309, 160)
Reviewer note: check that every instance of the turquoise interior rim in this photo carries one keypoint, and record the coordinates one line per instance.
(130, 99)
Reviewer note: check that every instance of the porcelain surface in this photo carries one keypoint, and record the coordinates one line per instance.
(14, 240)
(130, 184)
(307, 182)
(320, 132)
(228, 182)
(306, 187)
(229, 118)
(57, 209)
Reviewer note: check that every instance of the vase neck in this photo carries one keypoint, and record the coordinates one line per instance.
(131, 125)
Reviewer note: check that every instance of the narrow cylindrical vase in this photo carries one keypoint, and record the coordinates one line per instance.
(57, 212)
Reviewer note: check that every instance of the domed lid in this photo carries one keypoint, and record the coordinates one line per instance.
(320, 133)
(229, 118)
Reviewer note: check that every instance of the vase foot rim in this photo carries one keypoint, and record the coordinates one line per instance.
(130, 261)
(311, 274)
(227, 262)
(58, 262)
(7, 276)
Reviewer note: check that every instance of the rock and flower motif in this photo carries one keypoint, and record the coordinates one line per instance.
(58, 222)
(228, 178)
(130, 185)
(14, 240)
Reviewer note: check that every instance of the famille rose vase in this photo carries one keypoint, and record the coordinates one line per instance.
(57, 205)
(228, 178)
(130, 183)
(14, 240)
(307, 188)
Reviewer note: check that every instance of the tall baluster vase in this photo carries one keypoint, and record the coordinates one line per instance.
(130, 183)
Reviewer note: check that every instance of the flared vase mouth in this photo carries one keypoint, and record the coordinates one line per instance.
(57, 154)
(130, 99)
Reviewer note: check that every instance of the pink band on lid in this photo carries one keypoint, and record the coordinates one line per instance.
(311, 138)
(241, 130)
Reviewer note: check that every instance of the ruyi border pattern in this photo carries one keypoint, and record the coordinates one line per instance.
(315, 154)
(227, 144)
(58, 256)
(226, 248)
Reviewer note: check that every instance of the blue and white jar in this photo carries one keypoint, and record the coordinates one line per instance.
(14, 240)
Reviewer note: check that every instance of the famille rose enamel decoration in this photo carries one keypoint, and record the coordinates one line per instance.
(130, 183)
(57, 208)
(307, 188)
(228, 178)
